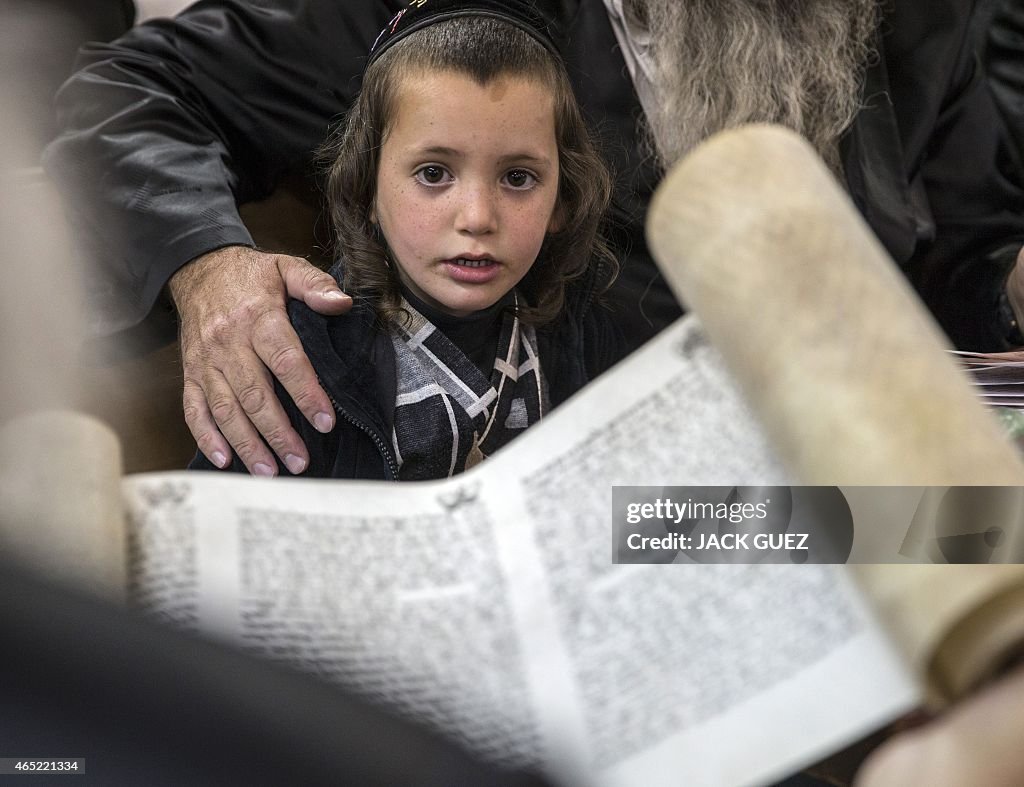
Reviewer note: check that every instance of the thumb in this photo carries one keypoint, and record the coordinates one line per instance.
(304, 281)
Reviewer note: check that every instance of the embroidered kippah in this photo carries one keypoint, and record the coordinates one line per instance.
(418, 14)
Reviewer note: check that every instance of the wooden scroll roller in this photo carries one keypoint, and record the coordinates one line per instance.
(60, 482)
(816, 323)
(842, 364)
(60, 470)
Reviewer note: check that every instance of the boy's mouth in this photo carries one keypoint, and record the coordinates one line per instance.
(472, 262)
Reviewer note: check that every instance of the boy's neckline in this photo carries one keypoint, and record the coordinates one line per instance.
(475, 334)
(479, 319)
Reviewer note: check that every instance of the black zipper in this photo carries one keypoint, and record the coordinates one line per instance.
(592, 286)
(588, 303)
(384, 451)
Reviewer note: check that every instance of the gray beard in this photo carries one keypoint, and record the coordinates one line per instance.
(723, 63)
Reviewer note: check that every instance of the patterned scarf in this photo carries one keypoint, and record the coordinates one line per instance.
(448, 415)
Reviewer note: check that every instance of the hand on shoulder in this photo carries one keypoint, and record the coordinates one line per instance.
(235, 337)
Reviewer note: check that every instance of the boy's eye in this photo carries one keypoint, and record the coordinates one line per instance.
(431, 175)
(520, 178)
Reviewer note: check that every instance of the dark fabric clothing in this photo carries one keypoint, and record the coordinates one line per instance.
(167, 129)
(450, 415)
(1002, 47)
(929, 166)
(476, 335)
(355, 362)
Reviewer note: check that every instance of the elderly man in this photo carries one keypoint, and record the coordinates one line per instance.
(168, 129)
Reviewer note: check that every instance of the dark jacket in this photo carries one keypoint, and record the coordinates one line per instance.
(167, 129)
(1002, 37)
(355, 361)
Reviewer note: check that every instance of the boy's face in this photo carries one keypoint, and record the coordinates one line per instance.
(467, 186)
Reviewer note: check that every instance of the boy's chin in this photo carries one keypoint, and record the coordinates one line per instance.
(468, 306)
(468, 310)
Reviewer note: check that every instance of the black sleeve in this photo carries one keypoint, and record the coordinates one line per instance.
(1004, 63)
(166, 130)
(973, 189)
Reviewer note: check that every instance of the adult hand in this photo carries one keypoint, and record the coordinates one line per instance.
(976, 743)
(235, 334)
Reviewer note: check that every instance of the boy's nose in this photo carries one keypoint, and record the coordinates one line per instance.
(477, 212)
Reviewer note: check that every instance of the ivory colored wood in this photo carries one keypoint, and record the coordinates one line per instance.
(957, 625)
(981, 645)
(830, 344)
(60, 483)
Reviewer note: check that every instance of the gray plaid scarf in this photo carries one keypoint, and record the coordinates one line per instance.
(448, 415)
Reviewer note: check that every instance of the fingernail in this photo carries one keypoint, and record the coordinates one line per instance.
(295, 464)
(336, 295)
(323, 422)
(219, 459)
(262, 469)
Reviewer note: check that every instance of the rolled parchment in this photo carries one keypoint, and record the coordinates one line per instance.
(847, 372)
(831, 346)
(60, 484)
